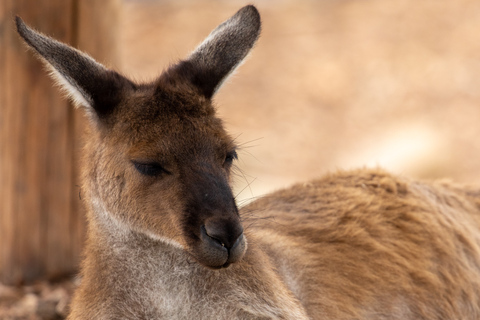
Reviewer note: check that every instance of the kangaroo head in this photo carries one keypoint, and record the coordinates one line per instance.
(157, 159)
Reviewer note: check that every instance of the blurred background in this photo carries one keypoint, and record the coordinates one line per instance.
(331, 84)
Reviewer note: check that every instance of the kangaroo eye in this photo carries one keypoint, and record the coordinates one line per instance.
(230, 157)
(152, 169)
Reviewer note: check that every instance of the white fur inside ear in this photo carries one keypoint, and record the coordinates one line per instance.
(233, 70)
(67, 84)
(226, 48)
(232, 73)
(78, 96)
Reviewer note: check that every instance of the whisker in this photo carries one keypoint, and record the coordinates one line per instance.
(247, 186)
(244, 144)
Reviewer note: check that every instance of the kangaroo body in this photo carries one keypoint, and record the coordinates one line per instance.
(354, 245)
(368, 245)
(167, 241)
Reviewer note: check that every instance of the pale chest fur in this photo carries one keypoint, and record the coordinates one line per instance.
(149, 279)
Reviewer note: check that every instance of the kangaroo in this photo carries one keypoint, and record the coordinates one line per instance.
(166, 240)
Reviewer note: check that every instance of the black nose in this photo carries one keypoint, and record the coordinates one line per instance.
(225, 233)
(223, 242)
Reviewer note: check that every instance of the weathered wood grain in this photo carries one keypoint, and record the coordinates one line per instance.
(41, 218)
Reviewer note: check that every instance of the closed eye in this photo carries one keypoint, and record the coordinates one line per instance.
(232, 155)
(152, 169)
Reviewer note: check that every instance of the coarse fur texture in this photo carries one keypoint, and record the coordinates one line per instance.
(369, 245)
(165, 237)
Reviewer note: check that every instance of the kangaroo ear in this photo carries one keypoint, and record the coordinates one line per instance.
(88, 83)
(222, 51)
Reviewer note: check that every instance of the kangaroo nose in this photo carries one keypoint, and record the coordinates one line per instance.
(223, 242)
(225, 233)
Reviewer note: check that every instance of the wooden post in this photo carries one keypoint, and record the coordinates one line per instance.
(41, 216)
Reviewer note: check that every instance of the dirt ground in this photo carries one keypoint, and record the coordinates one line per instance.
(331, 84)
(40, 301)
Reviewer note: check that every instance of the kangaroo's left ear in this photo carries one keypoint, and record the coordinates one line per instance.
(222, 51)
(86, 81)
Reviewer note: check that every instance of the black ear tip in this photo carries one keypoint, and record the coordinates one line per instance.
(21, 26)
(250, 8)
(19, 22)
(251, 12)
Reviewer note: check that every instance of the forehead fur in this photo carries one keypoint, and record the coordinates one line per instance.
(169, 97)
(167, 109)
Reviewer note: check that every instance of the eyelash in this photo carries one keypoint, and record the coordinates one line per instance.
(152, 169)
(230, 157)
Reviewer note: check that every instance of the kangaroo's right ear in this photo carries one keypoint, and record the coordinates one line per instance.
(86, 81)
(222, 51)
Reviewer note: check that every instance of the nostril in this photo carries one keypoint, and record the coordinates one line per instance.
(224, 233)
(236, 252)
(237, 242)
(219, 241)
(222, 246)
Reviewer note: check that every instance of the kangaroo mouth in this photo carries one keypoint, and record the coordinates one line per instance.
(216, 253)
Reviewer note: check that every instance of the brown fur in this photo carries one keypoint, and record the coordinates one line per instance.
(166, 240)
(369, 245)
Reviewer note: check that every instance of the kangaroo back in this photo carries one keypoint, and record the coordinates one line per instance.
(369, 245)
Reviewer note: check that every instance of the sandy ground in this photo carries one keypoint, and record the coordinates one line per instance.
(331, 84)
(40, 301)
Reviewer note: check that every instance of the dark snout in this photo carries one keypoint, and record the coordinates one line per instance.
(222, 242)
(213, 225)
